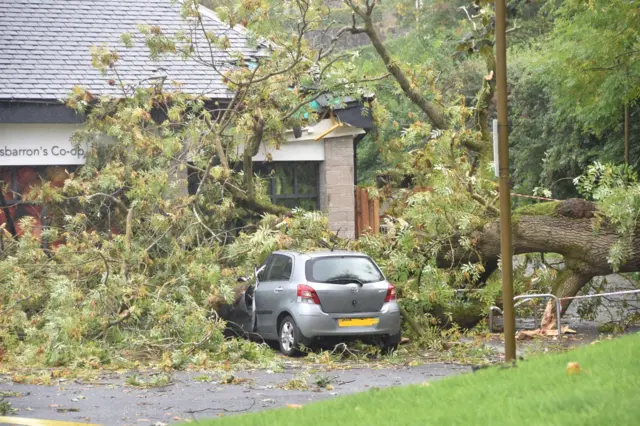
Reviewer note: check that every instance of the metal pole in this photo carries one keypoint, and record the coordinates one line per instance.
(505, 197)
(626, 134)
(558, 315)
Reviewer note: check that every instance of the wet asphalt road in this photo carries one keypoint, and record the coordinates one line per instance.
(109, 401)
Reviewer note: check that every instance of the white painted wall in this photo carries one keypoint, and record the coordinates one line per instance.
(291, 151)
(304, 148)
(39, 145)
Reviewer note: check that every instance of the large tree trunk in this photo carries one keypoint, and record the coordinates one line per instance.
(568, 284)
(566, 228)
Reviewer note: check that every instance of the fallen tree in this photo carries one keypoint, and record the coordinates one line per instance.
(571, 229)
(145, 242)
(455, 220)
(130, 272)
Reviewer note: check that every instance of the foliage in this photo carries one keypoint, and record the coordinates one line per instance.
(548, 150)
(570, 87)
(563, 116)
(66, 309)
(6, 408)
(559, 129)
(158, 381)
(134, 266)
(617, 191)
(592, 79)
(299, 382)
(425, 53)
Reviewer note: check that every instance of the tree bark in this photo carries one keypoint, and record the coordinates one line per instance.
(567, 228)
(567, 284)
(128, 239)
(575, 239)
(254, 204)
(250, 151)
(434, 112)
(484, 100)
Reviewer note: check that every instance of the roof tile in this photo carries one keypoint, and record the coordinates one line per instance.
(44, 46)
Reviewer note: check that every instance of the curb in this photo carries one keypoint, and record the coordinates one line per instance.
(38, 422)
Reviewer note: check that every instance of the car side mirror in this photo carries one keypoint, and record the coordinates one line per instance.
(242, 279)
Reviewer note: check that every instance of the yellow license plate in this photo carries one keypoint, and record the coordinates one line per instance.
(357, 322)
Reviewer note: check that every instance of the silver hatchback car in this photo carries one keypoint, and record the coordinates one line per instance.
(301, 298)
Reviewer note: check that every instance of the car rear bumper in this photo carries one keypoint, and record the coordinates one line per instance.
(313, 323)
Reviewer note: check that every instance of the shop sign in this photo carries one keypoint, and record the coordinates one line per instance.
(45, 150)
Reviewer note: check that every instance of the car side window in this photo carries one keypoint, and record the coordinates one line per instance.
(280, 268)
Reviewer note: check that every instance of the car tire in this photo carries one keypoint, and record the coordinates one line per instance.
(390, 343)
(289, 337)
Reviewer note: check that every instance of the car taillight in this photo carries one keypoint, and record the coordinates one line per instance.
(307, 294)
(391, 294)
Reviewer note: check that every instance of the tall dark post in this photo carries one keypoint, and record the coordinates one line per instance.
(505, 194)
(626, 133)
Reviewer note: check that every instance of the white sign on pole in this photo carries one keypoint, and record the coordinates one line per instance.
(496, 149)
(39, 145)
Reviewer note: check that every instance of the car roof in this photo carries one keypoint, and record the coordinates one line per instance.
(321, 253)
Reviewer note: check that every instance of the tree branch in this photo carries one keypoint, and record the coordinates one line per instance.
(485, 203)
(123, 317)
(127, 246)
(434, 112)
(253, 204)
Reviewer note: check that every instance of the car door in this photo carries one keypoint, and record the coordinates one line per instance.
(269, 293)
(260, 274)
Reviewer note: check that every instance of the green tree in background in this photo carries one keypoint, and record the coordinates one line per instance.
(592, 61)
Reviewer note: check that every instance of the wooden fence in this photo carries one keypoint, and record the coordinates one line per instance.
(367, 213)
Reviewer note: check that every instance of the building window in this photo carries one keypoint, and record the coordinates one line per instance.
(16, 183)
(292, 184)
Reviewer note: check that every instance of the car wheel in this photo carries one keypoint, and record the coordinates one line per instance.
(390, 343)
(289, 337)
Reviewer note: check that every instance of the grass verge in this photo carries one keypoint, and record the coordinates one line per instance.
(539, 391)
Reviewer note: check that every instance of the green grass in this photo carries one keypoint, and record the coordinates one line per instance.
(538, 392)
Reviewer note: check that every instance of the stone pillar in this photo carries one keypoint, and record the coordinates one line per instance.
(337, 198)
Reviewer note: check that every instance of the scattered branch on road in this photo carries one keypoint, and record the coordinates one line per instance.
(412, 323)
(253, 403)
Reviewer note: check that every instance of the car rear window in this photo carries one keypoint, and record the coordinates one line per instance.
(343, 270)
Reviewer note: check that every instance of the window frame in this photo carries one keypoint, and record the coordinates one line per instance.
(311, 262)
(296, 195)
(271, 263)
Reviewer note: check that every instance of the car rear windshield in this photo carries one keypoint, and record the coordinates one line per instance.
(343, 270)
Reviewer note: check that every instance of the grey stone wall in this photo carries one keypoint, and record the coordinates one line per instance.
(337, 197)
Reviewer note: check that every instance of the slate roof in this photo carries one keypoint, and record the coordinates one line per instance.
(44, 47)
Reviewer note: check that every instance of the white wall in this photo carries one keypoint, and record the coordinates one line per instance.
(39, 145)
(304, 148)
(292, 151)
